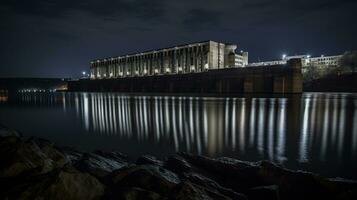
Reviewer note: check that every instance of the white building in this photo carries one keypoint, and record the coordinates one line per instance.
(189, 58)
(307, 61)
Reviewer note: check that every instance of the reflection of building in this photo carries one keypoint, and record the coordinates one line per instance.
(190, 58)
(307, 61)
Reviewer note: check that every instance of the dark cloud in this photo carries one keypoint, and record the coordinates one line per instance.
(59, 38)
(198, 19)
(55, 8)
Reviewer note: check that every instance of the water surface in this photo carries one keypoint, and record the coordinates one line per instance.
(314, 131)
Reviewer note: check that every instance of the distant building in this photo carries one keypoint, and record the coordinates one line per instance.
(307, 61)
(189, 58)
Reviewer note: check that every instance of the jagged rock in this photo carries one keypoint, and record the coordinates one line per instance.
(31, 157)
(230, 173)
(190, 191)
(114, 155)
(147, 159)
(212, 186)
(100, 164)
(67, 183)
(264, 192)
(37, 169)
(72, 154)
(177, 164)
(148, 177)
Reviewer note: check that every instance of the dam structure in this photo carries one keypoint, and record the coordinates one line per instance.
(190, 58)
(202, 67)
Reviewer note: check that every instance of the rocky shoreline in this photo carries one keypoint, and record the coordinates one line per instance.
(33, 168)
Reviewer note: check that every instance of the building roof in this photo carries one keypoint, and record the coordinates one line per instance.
(160, 49)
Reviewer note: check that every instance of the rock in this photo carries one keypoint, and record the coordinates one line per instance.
(147, 159)
(114, 155)
(100, 164)
(135, 193)
(4, 132)
(264, 192)
(230, 173)
(31, 157)
(178, 164)
(212, 186)
(67, 183)
(298, 184)
(148, 177)
(72, 155)
(190, 191)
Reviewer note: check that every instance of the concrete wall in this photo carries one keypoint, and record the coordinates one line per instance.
(268, 79)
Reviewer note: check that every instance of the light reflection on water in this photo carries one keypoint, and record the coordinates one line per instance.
(311, 131)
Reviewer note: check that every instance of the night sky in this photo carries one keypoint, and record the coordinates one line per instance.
(58, 38)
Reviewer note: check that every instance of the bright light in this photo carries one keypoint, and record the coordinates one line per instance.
(84, 73)
(167, 69)
(180, 69)
(127, 73)
(156, 71)
(206, 66)
(308, 56)
(284, 56)
(192, 68)
(111, 74)
(145, 71)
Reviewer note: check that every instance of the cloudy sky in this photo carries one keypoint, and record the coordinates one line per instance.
(58, 38)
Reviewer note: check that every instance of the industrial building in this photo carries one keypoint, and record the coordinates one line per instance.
(190, 58)
(306, 61)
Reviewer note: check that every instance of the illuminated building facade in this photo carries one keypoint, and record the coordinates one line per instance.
(189, 58)
(307, 61)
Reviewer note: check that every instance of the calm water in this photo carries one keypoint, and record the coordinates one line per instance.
(314, 131)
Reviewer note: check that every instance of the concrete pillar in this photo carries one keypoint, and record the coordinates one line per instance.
(184, 60)
(174, 61)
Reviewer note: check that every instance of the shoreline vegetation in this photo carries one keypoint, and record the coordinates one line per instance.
(34, 168)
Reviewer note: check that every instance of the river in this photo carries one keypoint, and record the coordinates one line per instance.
(314, 131)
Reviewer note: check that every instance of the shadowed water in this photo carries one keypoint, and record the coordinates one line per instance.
(313, 131)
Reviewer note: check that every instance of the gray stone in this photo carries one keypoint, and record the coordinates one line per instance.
(67, 184)
(148, 177)
(30, 157)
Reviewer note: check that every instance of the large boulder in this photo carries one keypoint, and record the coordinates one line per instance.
(212, 186)
(148, 177)
(100, 163)
(148, 160)
(28, 157)
(230, 173)
(178, 164)
(67, 183)
(301, 185)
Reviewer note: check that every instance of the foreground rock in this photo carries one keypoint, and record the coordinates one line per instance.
(32, 168)
(67, 183)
